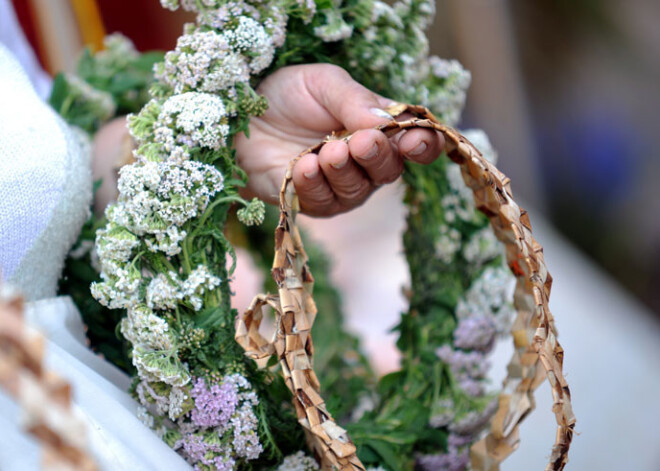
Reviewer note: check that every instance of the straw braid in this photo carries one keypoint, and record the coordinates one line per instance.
(44, 397)
(534, 332)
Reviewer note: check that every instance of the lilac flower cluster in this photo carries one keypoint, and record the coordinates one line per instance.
(214, 405)
(223, 425)
(462, 432)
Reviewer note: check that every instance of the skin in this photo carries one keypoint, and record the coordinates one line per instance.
(307, 103)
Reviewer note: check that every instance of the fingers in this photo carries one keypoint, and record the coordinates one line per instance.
(315, 196)
(351, 104)
(343, 175)
(376, 155)
(421, 145)
(346, 179)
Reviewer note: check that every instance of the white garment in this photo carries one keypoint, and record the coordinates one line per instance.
(118, 440)
(45, 185)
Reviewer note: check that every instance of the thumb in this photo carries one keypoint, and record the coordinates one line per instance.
(351, 104)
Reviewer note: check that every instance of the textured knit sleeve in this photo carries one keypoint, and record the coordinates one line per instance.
(45, 185)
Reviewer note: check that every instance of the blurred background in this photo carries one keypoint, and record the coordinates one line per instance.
(568, 92)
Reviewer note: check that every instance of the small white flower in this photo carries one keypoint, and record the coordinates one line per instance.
(145, 417)
(251, 37)
(298, 462)
(164, 291)
(335, 28)
(192, 119)
(143, 328)
(480, 140)
(490, 295)
(204, 61)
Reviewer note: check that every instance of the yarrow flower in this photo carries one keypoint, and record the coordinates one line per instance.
(298, 462)
(250, 38)
(100, 103)
(490, 295)
(205, 61)
(224, 424)
(475, 333)
(335, 27)
(192, 119)
(143, 328)
(156, 197)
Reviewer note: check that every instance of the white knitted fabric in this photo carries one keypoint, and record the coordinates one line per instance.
(45, 185)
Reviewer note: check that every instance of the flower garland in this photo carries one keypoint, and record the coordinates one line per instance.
(163, 253)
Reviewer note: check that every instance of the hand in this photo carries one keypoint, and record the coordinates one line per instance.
(307, 103)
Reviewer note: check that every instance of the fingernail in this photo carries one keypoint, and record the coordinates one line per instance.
(381, 113)
(311, 174)
(419, 149)
(338, 165)
(371, 154)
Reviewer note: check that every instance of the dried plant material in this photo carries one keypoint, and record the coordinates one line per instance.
(45, 398)
(534, 331)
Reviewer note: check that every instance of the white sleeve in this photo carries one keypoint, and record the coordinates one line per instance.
(45, 185)
(12, 37)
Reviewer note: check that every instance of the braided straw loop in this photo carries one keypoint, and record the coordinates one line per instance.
(534, 333)
(44, 397)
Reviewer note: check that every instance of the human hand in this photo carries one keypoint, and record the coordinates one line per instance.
(307, 103)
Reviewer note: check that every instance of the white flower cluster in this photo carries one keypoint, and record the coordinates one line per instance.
(204, 61)
(119, 51)
(458, 203)
(157, 199)
(119, 289)
(448, 101)
(115, 246)
(482, 247)
(154, 350)
(166, 291)
(160, 366)
(448, 243)
(188, 5)
(245, 425)
(490, 296)
(101, 102)
(335, 27)
(167, 401)
(480, 140)
(298, 462)
(144, 329)
(217, 60)
(251, 39)
(192, 119)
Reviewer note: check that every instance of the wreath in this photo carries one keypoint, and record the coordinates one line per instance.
(165, 257)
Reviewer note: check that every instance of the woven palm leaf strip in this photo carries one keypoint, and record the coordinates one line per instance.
(533, 331)
(45, 398)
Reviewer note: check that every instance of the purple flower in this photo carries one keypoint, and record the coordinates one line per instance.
(455, 441)
(471, 387)
(454, 460)
(475, 333)
(464, 365)
(193, 446)
(474, 422)
(214, 406)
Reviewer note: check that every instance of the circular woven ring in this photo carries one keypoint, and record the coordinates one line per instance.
(534, 333)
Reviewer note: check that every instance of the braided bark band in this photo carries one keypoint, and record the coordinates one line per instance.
(534, 333)
(44, 397)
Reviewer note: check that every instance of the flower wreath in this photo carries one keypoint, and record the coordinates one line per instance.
(163, 254)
